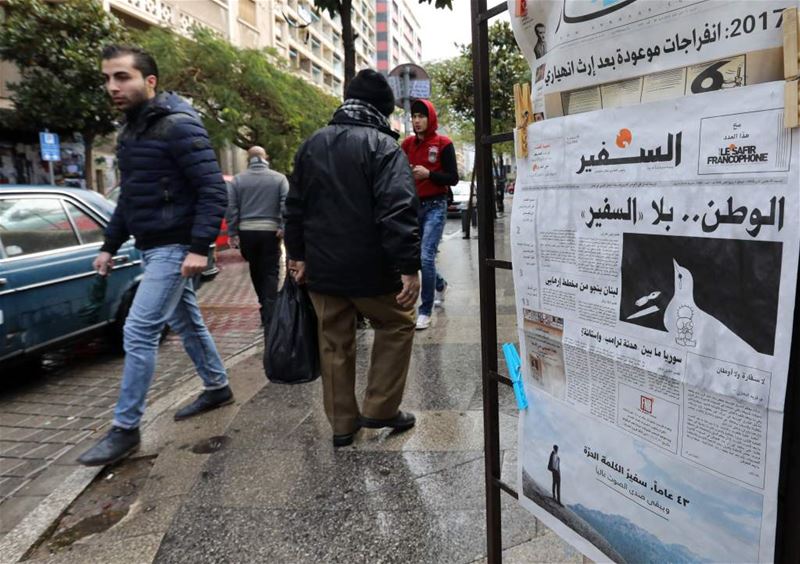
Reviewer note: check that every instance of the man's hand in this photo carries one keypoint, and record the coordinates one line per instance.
(233, 241)
(408, 295)
(193, 264)
(279, 234)
(297, 270)
(103, 264)
(420, 172)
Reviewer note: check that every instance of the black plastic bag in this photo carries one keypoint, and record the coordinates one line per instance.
(291, 352)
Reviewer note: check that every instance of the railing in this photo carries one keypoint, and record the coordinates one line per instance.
(157, 12)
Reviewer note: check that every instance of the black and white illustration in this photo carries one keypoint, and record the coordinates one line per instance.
(693, 288)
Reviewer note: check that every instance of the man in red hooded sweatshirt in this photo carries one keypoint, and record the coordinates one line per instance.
(433, 163)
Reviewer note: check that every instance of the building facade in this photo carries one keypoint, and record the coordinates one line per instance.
(309, 42)
(399, 39)
(312, 42)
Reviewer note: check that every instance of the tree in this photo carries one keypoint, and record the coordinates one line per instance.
(56, 47)
(453, 86)
(242, 96)
(344, 9)
(453, 89)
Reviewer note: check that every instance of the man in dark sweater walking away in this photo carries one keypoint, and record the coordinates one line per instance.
(352, 236)
(256, 202)
(172, 201)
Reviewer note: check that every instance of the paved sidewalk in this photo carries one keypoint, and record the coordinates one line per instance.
(45, 422)
(276, 491)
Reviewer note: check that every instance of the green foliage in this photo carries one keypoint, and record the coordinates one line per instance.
(453, 86)
(56, 47)
(242, 95)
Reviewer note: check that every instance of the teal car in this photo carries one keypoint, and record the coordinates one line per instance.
(49, 292)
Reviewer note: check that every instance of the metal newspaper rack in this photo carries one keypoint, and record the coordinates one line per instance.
(788, 522)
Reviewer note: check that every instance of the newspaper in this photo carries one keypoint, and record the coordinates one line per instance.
(572, 44)
(655, 254)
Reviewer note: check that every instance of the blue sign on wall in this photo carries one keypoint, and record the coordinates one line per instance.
(51, 147)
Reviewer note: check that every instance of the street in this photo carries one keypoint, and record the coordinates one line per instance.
(259, 481)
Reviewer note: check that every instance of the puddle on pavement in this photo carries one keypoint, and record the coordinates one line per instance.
(210, 445)
(102, 505)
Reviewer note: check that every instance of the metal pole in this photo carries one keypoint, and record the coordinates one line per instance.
(52, 176)
(488, 305)
(407, 98)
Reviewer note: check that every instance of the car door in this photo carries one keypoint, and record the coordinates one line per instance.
(47, 272)
(104, 294)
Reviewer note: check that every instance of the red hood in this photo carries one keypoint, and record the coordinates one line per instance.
(433, 120)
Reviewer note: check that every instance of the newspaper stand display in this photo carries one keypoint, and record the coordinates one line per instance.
(787, 541)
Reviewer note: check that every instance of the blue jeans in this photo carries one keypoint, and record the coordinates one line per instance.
(163, 296)
(432, 215)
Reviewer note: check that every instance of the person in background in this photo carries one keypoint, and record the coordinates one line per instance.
(433, 164)
(256, 202)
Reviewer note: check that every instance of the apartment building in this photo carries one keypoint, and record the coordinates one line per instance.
(399, 38)
(312, 42)
(309, 42)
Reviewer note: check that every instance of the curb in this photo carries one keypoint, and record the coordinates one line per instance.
(19, 540)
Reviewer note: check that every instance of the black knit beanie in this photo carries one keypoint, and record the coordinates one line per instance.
(372, 87)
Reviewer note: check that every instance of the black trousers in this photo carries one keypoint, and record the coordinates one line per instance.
(262, 251)
(556, 485)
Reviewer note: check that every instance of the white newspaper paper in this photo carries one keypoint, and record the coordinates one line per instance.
(576, 43)
(655, 252)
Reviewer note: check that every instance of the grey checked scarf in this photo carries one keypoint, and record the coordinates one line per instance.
(359, 112)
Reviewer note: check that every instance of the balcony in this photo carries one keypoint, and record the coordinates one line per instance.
(159, 13)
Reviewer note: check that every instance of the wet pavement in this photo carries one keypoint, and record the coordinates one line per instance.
(261, 482)
(47, 419)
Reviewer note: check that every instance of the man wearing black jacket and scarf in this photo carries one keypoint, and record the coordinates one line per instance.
(352, 236)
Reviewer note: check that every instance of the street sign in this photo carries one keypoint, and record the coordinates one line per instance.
(409, 81)
(50, 146)
(420, 89)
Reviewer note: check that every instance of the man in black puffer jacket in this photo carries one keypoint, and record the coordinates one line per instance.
(352, 235)
(172, 201)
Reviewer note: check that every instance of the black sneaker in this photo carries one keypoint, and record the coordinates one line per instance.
(208, 400)
(116, 445)
(403, 421)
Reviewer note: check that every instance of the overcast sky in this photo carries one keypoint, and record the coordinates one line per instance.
(441, 29)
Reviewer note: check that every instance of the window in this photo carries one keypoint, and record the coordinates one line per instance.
(247, 11)
(34, 225)
(316, 73)
(316, 47)
(294, 62)
(88, 229)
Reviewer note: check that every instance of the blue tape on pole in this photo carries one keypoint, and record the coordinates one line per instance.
(515, 371)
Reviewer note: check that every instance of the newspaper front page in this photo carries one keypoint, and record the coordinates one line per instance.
(655, 253)
(571, 44)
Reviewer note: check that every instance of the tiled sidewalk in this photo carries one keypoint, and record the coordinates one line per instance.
(47, 421)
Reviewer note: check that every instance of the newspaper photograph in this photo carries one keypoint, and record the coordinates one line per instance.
(573, 44)
(655, 252)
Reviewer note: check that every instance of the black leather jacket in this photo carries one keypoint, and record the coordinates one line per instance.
(351, 212)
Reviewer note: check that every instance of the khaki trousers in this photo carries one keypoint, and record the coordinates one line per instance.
(391, 354)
